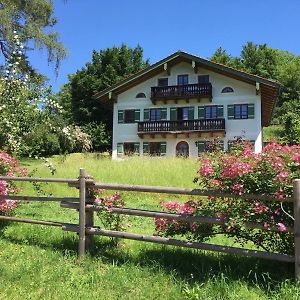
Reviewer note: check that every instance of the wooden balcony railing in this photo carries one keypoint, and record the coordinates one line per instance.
(185, 91)
(181, 126)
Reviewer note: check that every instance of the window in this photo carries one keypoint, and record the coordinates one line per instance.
(181, 113)
(239, 142)
(154, 148)
(182, 79)
(203, 79)
(227, 89)
(240, 111)
(209, 146)
(140, 95)
(128, 148)
(129, 116)
(155, 114)
(210, 112)
(162, 82)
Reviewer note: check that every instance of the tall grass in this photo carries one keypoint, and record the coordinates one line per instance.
(38, 262)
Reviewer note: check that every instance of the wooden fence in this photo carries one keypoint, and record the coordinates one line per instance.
(86, 208)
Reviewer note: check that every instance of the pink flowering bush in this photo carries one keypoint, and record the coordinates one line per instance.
(9, 166)
(241, 172)
(108, 219)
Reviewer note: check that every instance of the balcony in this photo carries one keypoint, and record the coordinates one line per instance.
(179, 127)
(185, 92)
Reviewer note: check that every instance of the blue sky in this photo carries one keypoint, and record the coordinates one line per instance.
(162, 27)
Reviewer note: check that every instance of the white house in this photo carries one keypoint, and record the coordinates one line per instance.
(179, 104)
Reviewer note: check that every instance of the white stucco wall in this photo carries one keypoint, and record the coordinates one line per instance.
(250, 129)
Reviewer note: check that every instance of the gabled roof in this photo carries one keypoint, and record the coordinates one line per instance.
(269, 88)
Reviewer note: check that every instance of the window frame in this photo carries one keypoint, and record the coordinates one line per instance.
(140, 95)
(156, 113)
(208, 111)
(242, 114)
(159, 80)
(128, 120)
(227, 89)
(204, 79)
(186, 76)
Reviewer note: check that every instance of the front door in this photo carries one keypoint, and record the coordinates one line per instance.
(182, 149)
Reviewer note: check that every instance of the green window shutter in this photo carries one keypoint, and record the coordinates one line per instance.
(137, 115)
(201, 147)
(220, 111)
(250, 111)
(163, 148)
(229, 145)
(120, 148)
(173, 113)
(230, 112)
(120, 116)
(145, 148)
(163, 114)
(201, 112)
(191, 113)
(221, 144)
(137, 148)
(146, 114)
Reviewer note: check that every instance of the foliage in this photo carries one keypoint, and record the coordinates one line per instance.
(107, 67)
(9, 166)
(34, 20)
(242, 172)
(270, 63)
(32, 121)
(108, 219)
(100, 139)
(145, 270)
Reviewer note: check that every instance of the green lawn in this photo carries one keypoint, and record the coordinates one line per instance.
(39, 262)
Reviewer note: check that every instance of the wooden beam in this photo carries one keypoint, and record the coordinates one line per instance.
(167, 68)
(181, 243)
(195, 67)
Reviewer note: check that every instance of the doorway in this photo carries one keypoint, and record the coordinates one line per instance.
(182, 149)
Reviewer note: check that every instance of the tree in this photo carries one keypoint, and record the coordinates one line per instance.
(30, 20)
(107, 67)
(274, 64)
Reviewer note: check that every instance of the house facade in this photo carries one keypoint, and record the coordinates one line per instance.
(181, 104)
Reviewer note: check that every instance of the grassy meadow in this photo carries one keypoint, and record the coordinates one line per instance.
(39, 262)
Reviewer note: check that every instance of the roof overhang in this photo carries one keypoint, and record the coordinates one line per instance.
(269, 89)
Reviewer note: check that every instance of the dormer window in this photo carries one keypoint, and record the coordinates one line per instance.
(162, 82)
(140, 95)
(227, 89)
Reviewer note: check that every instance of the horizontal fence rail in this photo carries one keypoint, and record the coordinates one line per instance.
(180, 191)
(169, 216)
(32, 221)
(39, 198)
(187, 244)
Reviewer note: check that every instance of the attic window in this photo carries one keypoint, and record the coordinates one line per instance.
(140, 95)
(227, 89)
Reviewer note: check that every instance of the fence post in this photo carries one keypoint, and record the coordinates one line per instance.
(82, 196)
(296, 197)
(89, 222)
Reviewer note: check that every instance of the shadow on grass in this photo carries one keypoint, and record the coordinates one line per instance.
(191, 266)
